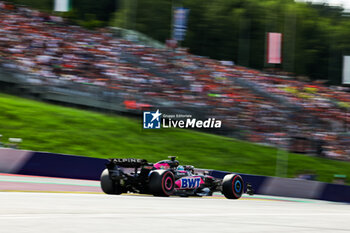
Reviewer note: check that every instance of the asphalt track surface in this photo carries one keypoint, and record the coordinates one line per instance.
(55, 211)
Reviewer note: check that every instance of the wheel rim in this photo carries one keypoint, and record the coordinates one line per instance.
(238, 186)
(168, 183)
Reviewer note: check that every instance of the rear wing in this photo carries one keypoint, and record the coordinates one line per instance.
(127, 163)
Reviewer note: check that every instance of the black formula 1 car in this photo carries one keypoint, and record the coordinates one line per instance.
(166, 178)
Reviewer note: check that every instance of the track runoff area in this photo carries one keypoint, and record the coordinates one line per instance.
(44, 204)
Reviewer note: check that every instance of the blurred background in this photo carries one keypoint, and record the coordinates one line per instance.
(276, 72)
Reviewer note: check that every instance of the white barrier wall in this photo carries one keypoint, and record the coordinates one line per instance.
(11, 161)
(292, 188)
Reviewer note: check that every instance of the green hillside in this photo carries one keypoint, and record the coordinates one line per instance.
(45, 127)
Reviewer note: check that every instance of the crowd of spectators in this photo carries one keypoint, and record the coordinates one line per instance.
(43, 45)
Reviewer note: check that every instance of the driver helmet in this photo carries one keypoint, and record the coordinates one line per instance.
(180, 168)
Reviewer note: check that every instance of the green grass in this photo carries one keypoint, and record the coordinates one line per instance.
(45, 127)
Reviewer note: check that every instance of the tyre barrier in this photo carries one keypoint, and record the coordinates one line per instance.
(79, 167)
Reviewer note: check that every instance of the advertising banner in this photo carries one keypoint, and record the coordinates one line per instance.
(180, 23)
(62, 5)
(274, 48)
(346, 70)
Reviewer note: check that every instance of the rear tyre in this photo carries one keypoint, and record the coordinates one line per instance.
(232, 186)
(108, 185)
(162, 183)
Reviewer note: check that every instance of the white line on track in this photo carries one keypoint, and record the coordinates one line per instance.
(148, 215)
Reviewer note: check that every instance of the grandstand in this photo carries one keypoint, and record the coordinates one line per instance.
(46, 53)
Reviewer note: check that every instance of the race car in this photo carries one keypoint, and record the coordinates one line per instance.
(166, 178)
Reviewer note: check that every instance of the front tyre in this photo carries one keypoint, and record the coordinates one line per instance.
(162, 183)
(232, 186)
(108, 185)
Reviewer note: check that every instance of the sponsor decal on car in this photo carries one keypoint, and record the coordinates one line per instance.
(189, 182)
